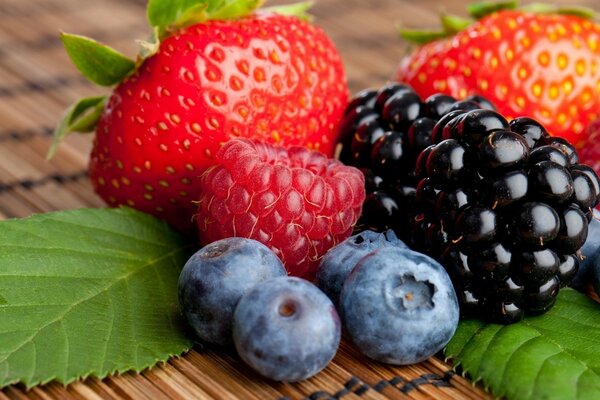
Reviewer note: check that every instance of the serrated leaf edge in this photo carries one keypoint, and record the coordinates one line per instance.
(76, 304)
(119, 370)
(458, 362)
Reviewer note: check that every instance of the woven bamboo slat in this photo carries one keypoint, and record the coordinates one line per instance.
(37, 82)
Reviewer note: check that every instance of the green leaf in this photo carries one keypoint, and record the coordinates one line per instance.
(480, 10)
(151, 45)
(453, 23)
(543, 8)
(551, 356)
(88, 292)
(164, 13)
(193, 15)
(418, 36)
(97, 62)
(81, 116)
(232, 9)
(299, 10)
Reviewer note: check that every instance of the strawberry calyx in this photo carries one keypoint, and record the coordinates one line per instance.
(108, 67)
(452, 24)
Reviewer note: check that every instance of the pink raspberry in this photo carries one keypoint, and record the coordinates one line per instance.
(296, 201)
(589, 152)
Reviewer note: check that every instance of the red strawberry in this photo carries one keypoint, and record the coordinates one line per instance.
(298, 202)
(265, 75)
(542, 64)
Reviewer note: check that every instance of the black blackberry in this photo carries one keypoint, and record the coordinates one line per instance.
(382, 133)
(502, 205)
(512, 204)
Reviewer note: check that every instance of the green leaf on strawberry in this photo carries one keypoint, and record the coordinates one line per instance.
(299, 10)
(164, 13)
(88, 292)
(552, 356)
(97, 62)
(577, 11)
(480, 10)
(81, 116)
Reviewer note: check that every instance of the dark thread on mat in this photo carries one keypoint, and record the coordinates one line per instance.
(359, 388)
(25, 134)
(52, 40)
(29, 184)
(42, 86)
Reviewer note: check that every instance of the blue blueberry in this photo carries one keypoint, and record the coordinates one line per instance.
(339, 261)
(215, 278)
(590, 251)
(286, 329)
(399, 306)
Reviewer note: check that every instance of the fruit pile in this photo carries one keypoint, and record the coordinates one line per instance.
(228, 120)
(398, 306)
(503, 206)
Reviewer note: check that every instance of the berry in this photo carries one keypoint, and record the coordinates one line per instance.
(541, 297)
(398, 306)
(388, 133)
(213, 280)
(551, 181)
(208, 82)
(447, 162)
(589, 252)
(531, 130)
(477, 124)
(476, 225)
(503, 150)
(510, 212)
(589, 151)
(286, 329)
(340, 260)
(567, 269)
(519, 76)
(438, 105)
(297, 202)
(535, 224)
(387, 154)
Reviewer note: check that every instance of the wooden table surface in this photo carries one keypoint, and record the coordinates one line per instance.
(37, 82)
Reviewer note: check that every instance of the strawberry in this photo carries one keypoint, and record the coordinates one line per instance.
(296, 201)
(214, 71)
(537, 60)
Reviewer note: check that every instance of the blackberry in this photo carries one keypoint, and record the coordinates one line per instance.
(502, 205)
(382, 133)
(512, 204)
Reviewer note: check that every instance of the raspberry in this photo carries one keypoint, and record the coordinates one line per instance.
(589, 151)
(296, 201)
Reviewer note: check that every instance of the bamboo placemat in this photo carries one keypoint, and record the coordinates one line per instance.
(37, 82)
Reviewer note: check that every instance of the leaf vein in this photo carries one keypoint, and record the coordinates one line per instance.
(77, 303)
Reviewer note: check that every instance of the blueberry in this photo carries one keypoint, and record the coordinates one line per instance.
(214, 278)
(286, 329)
(399, 306)
(590, 251)
(339, 261)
